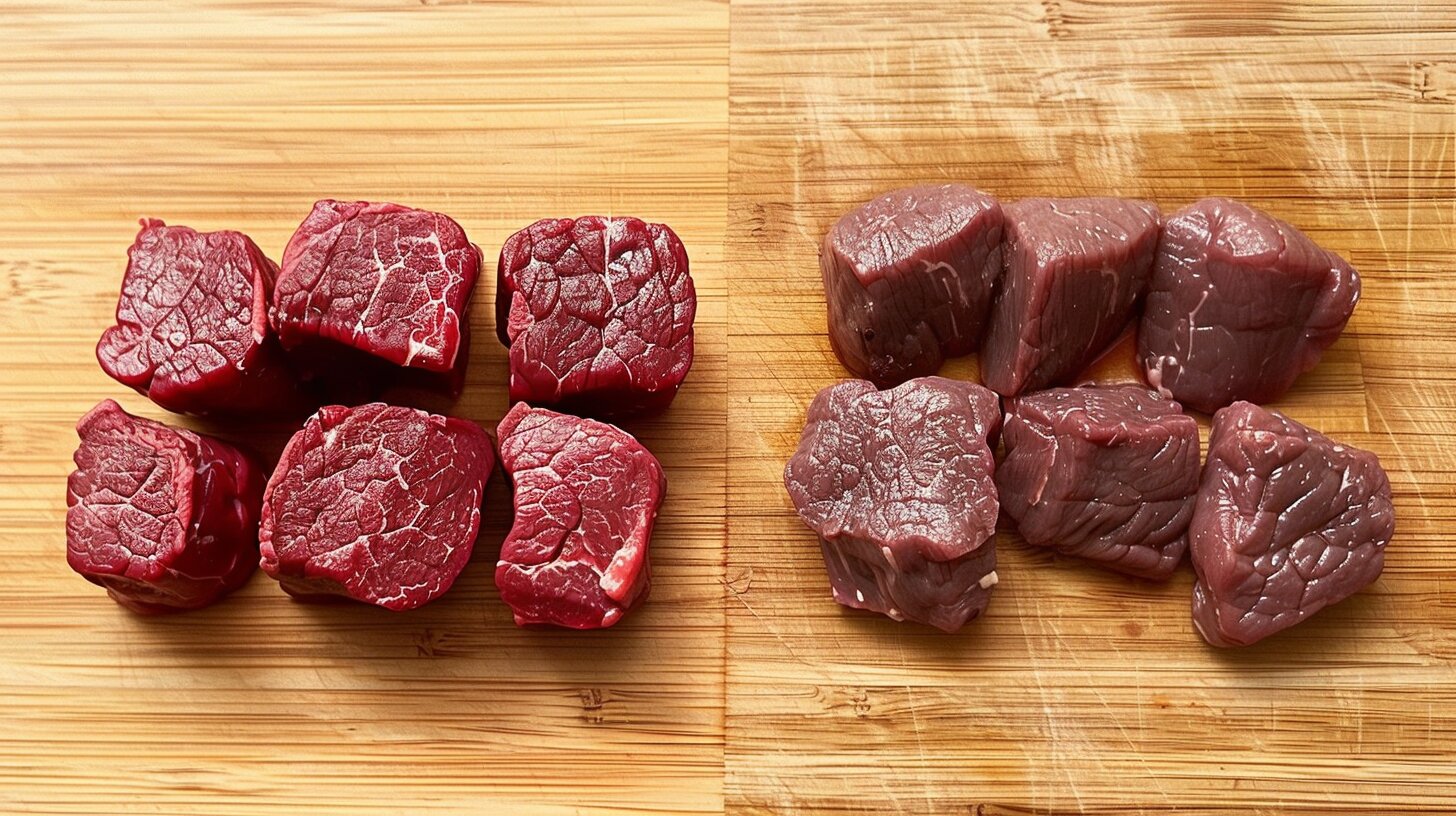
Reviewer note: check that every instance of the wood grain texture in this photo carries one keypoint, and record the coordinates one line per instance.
(1081, 690)
(238, 115)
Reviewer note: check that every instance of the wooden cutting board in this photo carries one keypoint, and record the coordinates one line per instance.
(740, 687)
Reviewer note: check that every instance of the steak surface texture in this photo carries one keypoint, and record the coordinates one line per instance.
(377, 503)
(192, 329)
(1240, 305)
(1288, 521)
(908, 278)
(1106, 473)
(165, 519)
(898, 486)
(387, 281)
(598, 313)
(586, 499)
(1075, 269)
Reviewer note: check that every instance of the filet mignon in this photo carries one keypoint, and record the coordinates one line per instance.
(192, 325)
(1107, 473)
(598, 314)
(908, 278)
(387, 281)
(164, 518)
(586, 498)
(1075, 269)
(898, 486)
(1239, 306)
(1287, 522)
(377, 503)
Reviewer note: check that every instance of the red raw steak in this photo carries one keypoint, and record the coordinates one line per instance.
(377, 503)
(192, 325)
(598, 313)
(164, 518)
(586, 498)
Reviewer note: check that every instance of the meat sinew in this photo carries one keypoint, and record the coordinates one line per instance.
(385, 280)
(1075, 269)
(898, 486)
(1288, 521)
(192, 325)
(1107, 473)
(598, 313)
(164, 518)
(1239, 306)
(377, 503)
(586, 498)
(908, 278)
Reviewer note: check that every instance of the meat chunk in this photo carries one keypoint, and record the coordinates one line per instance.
(377, 503)
(908, 278)
(1288, 521)
(387, 281)
(898, 486)
(164, 518)
(192, 325)
(598, 314)
(586, 498)
(1239, 306)
(1107, 473)
(1075, 269)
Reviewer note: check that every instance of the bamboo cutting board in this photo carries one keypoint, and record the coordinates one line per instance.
(740, 687)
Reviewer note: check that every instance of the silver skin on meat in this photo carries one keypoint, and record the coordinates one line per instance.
(908, 277)
(1106, 473)
(1239, 306)
(898, 486)
(1287, 522)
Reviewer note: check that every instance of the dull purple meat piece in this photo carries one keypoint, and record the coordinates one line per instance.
(908, 278)
(598, 313)
(164, 518)
(373, 281)
(378, 503)
(586, 499)
(191, 327)
(1288, 521)
(1075, 269)
(1239, 306)
(897, 485)
(1107, 473)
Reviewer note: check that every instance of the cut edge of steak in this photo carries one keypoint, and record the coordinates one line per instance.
(596, 327)
(1288, 522)
(377, 503)
(586, 497)
(164, 518)
(191, 330)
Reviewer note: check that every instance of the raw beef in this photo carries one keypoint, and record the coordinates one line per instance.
(384, 280)
(586, 498)
(164, 518)
(598, 314)
(1107, 473)
(1075, 269)
(192, 325)
(1288, 522)
(898, 486)
(908, 279)
(378, 503)
(1240, 305)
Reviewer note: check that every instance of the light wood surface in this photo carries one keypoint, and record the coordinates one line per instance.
(1080, 690)
(239, 115)
(740, 687)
